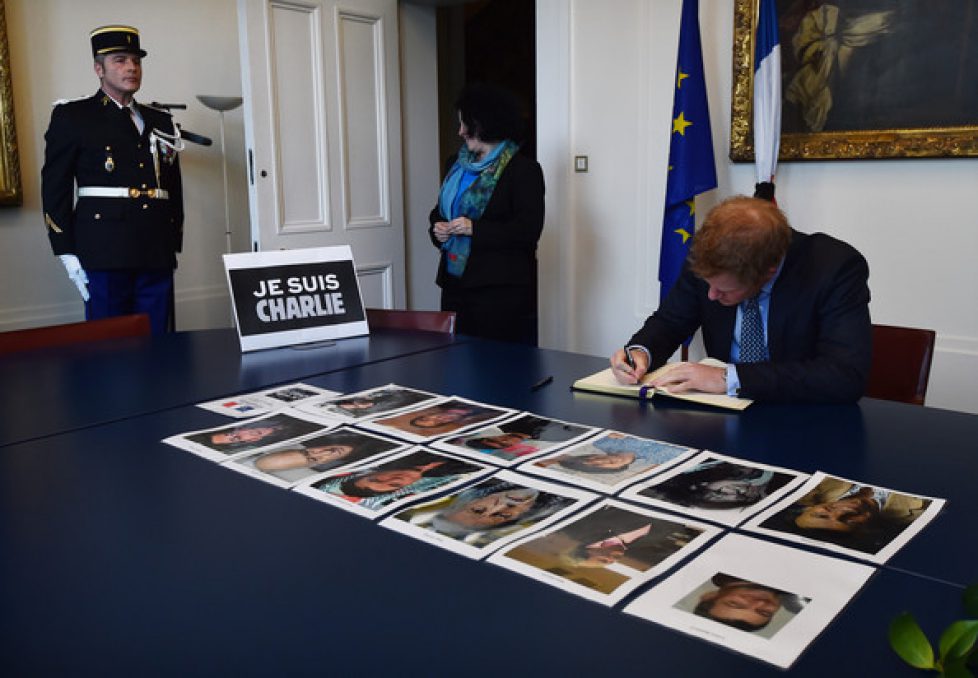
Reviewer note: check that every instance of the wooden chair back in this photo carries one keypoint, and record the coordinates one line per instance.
(72, 333)
(428, 321)
(901, 363)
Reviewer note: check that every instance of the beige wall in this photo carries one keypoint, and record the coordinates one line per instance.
(192, 49)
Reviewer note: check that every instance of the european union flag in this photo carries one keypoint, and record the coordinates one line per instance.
(691, 167)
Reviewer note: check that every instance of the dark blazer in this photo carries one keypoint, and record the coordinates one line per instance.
(92, 142)
(504, 239)
(819, 330)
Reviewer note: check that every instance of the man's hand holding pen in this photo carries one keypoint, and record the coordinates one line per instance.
(629, 366)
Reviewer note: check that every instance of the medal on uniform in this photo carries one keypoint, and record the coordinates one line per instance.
(109, 162)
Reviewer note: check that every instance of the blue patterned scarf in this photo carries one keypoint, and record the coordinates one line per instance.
(473, 200)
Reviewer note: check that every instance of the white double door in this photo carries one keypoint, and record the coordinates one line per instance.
(323, 132)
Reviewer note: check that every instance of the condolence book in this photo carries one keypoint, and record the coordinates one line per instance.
(605, 382)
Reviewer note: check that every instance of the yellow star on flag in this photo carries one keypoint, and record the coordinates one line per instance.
(684, 233)
(692, 206)
(680, 124)
(679, 79)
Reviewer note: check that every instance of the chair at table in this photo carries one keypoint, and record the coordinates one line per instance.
(72, 333)
(428, 321)
(901, 363)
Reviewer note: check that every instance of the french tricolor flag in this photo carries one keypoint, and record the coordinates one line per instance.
(767, 95)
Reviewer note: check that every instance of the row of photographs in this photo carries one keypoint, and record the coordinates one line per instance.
(747, 594)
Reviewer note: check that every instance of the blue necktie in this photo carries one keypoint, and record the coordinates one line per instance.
(753, 348)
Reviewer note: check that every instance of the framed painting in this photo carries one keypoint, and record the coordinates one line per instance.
(865, 79)
(10, 186)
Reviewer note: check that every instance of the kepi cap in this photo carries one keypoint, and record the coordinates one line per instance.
(108, 39)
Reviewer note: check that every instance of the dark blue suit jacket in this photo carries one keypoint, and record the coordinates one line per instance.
(819, 330)
(91, 142)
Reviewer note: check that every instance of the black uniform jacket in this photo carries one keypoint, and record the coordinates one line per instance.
(92, 142)
(819, 331)
(504, 238)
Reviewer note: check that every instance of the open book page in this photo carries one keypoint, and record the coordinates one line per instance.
(605, 382)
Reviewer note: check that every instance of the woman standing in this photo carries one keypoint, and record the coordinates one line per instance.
(487, 222)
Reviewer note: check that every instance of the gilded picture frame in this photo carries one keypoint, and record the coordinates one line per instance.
(849, 88)
(11, 192)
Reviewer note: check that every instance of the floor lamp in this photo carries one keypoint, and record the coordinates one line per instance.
(221, 104)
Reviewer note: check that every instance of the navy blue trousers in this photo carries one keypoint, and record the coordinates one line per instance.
(127, 291)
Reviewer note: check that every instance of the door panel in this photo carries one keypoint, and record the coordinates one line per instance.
(322, 126)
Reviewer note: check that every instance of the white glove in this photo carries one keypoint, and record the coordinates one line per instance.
(76, 273)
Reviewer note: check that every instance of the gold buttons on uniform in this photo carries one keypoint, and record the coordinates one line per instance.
(145, 206)
(98, 215)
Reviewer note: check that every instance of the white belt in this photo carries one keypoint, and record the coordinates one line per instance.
(121, 192)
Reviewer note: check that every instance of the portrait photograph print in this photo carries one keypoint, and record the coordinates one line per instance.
(443, 417)
(482, 517)
(373, 489)
(263, 402)
(305, 458)
(609, 461)
(715, 487)
(860, 520)
(761, 599)
(368, 404)
(224, 442)
(606, 552)
(514, 440)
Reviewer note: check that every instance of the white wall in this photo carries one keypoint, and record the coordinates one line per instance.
(912, 219)
(192, 49)
(419, 125)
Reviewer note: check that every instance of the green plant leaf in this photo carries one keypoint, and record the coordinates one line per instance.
(957, 669)
(908, 641)
(958, 639)
(971, 600)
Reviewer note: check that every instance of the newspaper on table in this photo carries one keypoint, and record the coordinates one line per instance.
(762, 599)
(716, 487)
(313, 456)
(269, 400)
(609, 461)
(368, 404)
(514, 440)
(437, 418)
(387, 484)
(860, 520)
(223, 442)
(606, 552)
(481, 517)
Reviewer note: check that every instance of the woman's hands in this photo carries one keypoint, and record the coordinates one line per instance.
(443, 230)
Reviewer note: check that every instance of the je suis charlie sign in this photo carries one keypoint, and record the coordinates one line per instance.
(295, 296)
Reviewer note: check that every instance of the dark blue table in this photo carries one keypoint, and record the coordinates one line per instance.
(125, 556)
(54, 390)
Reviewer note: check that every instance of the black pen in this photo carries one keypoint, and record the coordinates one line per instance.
(543, 382)
(628, 359)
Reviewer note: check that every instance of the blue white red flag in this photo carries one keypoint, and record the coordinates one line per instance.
(767, 93)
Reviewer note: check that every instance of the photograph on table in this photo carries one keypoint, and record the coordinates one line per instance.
(303, 459)
(860, 520)
(755, 597)
(368, 404)
(446, 416)
(482, 517)
(374, 489)
(514, 440)
(609, 461)
(715, 487)
(269, 400)
(606, 552)
(223, 442)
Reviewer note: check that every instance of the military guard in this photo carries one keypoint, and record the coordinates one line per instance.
(119, 241)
